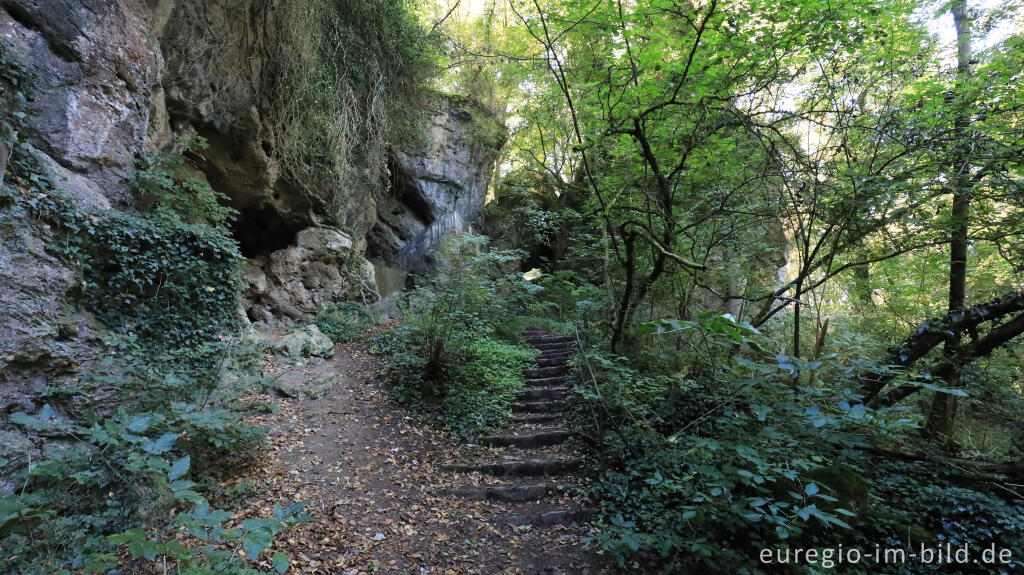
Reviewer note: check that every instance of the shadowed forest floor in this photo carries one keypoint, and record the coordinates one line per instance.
(378, 497)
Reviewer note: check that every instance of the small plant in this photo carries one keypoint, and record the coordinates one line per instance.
(344, 322)
(168, 189)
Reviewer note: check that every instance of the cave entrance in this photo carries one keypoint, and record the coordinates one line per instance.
(261, 231)
(540, 257)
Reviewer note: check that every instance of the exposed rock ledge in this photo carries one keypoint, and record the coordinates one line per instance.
(295, 282)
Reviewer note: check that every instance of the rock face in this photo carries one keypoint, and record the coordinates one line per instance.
(41, 336)
(297, 281)
(440, 189)
(118, 79)
(307, 341)
(97, 62)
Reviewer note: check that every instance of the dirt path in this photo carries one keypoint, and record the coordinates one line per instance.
(384, 499)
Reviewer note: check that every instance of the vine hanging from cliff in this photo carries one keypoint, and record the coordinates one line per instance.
(336, 82)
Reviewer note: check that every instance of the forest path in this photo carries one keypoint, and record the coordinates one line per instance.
(385, 497)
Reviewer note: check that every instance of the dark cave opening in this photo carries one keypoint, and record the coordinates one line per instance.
(260, 231)
(539, 257)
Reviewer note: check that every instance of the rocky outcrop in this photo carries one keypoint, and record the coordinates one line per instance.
(97, 62)
(296, 282)
(42, 337)
(119, 79)
(440, 189)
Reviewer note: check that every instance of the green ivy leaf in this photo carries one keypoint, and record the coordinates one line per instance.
(280, 560)
(179, 468)
(162, 444)
(139, 423)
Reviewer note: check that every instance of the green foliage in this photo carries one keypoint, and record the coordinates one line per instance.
(170, 283)
(221, 547)
(753, 454)
(470, 300)
(483, 387)
(344, 322)
(167, 191)
(117, 472)
(456, 350)
(154, 279)
(15, 83)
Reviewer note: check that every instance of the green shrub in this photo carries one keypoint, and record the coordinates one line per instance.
(700, 471)
(166, 189)
(458, 351)
(344, 322)
(704, 471)
(484, 387)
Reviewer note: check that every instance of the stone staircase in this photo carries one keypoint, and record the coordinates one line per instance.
(533, 463)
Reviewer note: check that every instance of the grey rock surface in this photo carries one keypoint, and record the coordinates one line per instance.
(438, 190)
(42, 336)
(306, 341)
(301, 385)
(96, 63)
(296, 282)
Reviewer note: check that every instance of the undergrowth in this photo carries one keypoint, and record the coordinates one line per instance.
(344, 322)
(458, 353)
(744, 453)
(128, 443)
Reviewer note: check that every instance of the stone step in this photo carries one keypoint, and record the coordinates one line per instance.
(535, 339)
(548, 518)
(527, 440)
(536, 417)
(538, 406)
(533, 492)
(546, 347)
(517, 468)
(554, 371)
(552, 361)
(565, 357)
(532, 393)
(543, 381)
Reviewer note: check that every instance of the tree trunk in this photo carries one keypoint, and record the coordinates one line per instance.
(796, 318)
(621, 318)
(862, 284)
(942, 415)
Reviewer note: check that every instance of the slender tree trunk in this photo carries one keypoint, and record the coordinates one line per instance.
(862, 279)
(621, 319)
(796, 318)
(944, 406)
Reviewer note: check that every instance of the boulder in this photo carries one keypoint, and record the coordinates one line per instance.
(295, 283)
(306, 341)
(301, 385)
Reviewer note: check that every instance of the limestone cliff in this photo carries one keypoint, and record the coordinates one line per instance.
(118, 79)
